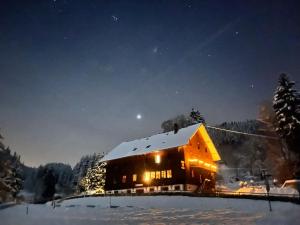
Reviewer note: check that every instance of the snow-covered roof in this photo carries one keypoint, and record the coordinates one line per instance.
(154, 143)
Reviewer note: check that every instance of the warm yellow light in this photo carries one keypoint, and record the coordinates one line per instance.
(193, 160)
(169, 173)
(134, 177)
(214, 167)
(152, 175)
(157, 175)
(147, 177)
(207, 164)
(202, 163)
(157, 159)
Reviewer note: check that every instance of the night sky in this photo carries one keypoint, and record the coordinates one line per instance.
(74, 75)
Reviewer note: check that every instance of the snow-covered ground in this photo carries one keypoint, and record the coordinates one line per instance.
(274, 191)
(153, 210)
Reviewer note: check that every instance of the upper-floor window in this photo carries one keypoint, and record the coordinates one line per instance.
(182, 164)
(157, 159)
(124, 179)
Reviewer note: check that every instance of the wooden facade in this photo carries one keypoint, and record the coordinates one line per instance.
(189, 167)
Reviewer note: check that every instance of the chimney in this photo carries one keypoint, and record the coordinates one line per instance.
(176, 128)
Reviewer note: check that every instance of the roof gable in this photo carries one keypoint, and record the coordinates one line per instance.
(209, 143)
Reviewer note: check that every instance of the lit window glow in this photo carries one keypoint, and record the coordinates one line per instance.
(169, 173)
(157, 159)
(182, 165)
(157, 175)
(152, 175)
(134, 177)
(147, 177)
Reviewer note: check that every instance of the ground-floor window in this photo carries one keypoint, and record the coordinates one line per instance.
(134, 177)
(169, 173)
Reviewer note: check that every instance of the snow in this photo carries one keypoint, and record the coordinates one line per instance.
(274, 191)
(153, 143)
(153, 210)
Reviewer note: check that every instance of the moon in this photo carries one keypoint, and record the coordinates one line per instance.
(138, 116)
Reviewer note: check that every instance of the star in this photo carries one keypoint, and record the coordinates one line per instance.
(139, 116)
(237, 33)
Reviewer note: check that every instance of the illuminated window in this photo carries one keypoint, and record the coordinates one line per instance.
(147, 177)
(163, 174)
(157, 174)
(124, 179)
(134, 177)
(157, 159)
(152, 174)
(192, 173)
(169, 173)
(182, 165)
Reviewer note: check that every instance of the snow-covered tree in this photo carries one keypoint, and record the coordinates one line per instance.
(94, 180)
(197, 117)
(10, 173)
(181, 120)
(81, 168)
(286, 104)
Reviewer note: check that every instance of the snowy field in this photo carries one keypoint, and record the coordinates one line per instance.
(153, 210)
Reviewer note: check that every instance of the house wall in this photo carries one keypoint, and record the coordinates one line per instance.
(120, 172)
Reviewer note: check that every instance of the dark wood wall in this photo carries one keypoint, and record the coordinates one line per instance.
(197, 176)
(171, 159)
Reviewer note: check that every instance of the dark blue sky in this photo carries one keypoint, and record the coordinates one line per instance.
(74, 74)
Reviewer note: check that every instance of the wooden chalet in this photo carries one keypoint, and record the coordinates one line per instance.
(181, 160)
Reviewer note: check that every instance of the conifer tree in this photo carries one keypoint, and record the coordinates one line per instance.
(197, 117)
(94, 180)
(287, 108)
(286, 103)
(10, 173)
